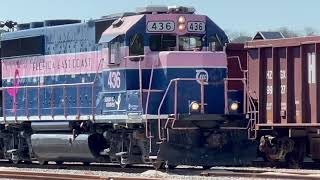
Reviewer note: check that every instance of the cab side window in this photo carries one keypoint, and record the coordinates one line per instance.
(115, 50)
(215, 44)
(136, 45)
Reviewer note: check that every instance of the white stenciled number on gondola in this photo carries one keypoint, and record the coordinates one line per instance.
(283, 74)
(114, 80)
(283, 89)
(269, 90)
(269, 74)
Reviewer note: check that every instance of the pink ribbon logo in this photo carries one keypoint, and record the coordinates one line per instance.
(14, 90)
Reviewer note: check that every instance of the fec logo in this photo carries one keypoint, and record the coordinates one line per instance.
(202, 74)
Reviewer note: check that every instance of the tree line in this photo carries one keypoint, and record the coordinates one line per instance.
(241, 37)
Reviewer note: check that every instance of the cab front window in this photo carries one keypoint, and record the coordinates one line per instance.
(163, 42)
(190, 43)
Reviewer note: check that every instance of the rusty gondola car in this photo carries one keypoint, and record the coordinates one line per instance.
(283, 97)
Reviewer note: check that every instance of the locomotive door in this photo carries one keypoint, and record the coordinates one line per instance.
(114, 82)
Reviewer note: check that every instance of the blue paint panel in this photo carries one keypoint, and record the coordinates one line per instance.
(132, 81)
(53, 96)
(71, 100)
(45, 99)
(188, 91)
(133, 102)
(86, 100)
(154, 102)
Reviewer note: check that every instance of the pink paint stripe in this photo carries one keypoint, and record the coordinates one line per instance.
(193, 59)
(84, 63)
(179, 59)
(78, 63)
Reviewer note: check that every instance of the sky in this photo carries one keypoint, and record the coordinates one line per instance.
(248, 16)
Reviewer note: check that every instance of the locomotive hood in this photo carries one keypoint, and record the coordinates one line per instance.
(119, 27)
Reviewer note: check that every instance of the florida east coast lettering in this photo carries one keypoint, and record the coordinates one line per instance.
(62, 64)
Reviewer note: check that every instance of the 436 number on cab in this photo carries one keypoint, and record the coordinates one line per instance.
(160, 26)
(196, 26)
(114, 80)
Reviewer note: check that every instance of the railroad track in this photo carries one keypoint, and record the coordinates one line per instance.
(79, 166)
(55, 176)
(217, 172)
(262, 174)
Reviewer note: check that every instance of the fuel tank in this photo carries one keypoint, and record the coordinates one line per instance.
(65, 147)
(51, 126)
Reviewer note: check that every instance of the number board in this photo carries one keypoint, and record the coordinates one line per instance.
(196, 26)
(114, 80)
(160, 26)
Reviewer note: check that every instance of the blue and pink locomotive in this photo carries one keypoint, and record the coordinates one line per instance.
(142, 87)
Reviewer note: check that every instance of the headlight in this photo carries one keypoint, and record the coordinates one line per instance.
(182, 20)
(234, 106)
(182, 27)
(194, 106)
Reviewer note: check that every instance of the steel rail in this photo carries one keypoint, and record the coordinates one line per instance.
(56, 176)
(264, 174)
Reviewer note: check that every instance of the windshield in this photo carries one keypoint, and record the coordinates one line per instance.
(190, 43)
(162, 42)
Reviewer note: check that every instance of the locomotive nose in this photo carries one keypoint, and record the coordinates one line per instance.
(196, 81)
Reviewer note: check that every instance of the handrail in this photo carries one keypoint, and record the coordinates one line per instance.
(239, 62)
(148, 97)
(175, 81)
(250, 108)
(52, 86)
(139, 56)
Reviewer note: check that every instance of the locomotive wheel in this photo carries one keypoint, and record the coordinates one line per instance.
(16, 161)
(42, 162)
(59, 162)
(268, 159)
(123, 165)
(157, 164)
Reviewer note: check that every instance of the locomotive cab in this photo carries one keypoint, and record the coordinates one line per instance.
(157, 48)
